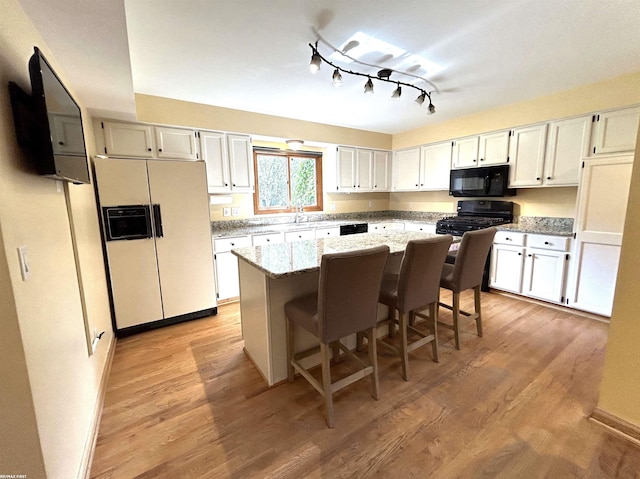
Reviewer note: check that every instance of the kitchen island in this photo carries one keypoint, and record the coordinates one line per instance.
(273, 274)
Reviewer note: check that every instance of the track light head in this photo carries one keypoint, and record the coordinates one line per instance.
(314, 65)
(431, 109)
(397, 92)
(337, 78)
(385, 73)
(368, 87)
(421, 97)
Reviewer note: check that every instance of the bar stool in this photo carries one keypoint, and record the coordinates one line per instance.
(466, 273)
(346, 303)
(416, 287)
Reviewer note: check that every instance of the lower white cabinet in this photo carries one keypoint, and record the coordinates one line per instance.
(388, 225)
(267, 238)
(424, 227)
(300, 235)
(226, 265)
(530, 264)
(328, 232)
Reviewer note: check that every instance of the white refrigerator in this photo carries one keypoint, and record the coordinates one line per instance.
(155, 217)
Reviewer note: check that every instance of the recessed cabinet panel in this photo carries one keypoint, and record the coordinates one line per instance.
(494, 148)
(435, 166)
(544, 274)
(526, 151)
(465, 152)
(406, 170)
(507, 263)
(364, 170)
(214, 153)
(616, 131)
(346, 169)
(176, 143)
(568, 144)
(380, 170)
(128, 140)
(240, 163)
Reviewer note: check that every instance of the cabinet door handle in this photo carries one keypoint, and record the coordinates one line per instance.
(481, 159)
(519, 254)
(148, 149)
(268, 240)
(474, 161)
(226, 184)
(546, 242)
(529, 255)
(234, 185)
(160, 150)
(233, 244)
(507, 239)
(538, 178)
(548, 177)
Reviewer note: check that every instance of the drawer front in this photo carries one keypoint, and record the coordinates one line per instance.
(267, 238)
(424, 227)
(227, 244)
(299, 235)
(556, 243)
(509, 237)
(327, 232)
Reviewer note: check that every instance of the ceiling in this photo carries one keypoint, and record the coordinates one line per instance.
(254, 54)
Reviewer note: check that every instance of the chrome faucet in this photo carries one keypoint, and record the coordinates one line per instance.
(299, 213)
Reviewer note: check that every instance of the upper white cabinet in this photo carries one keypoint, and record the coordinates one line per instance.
(128, 140)
(361, 169)
(380, 170)
(526, 151)
(493, 148)
(568, 144)
(482, 150)
(229, 162)
(176, 143)
(465, 152)
(135, 140)
(435, 165)
(615, 131)
(406, 170)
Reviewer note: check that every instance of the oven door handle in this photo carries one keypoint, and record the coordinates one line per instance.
(157, 221)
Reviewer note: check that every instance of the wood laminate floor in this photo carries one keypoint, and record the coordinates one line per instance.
(185, 402)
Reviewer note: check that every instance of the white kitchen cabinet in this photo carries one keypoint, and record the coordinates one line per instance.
(360, 169)
(545, 267)
(507, 261)
(176, 143)
(615, 131)
(435, 166)
(267, 238)
(530, 264)
(465, 152)
(493, 148)
(300, 235)
(346, 169)
(128, 140)
(229, 161)
(327, 232)
(423, 227)
(406, 170)
(385, 226)
(567, 145)
(526, 152)
(482, 150)
(226, 265)
(380, 170)
(601, 209)
(136, 140)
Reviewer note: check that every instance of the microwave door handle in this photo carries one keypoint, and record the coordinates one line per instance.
(487, 183)
(157, 221)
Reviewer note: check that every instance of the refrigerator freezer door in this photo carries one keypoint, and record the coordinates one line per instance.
(133, 267)
(185, 253)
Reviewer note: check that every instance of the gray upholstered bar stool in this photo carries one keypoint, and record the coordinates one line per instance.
(346, 303)
(415, 288)
(466, 273)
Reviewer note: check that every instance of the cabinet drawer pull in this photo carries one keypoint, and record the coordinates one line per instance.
(548, 177)
(546, 242)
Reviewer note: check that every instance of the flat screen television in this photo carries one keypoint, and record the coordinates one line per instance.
(49, 124)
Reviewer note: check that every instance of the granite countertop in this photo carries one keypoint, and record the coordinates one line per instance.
(285, 259)
(526, 224)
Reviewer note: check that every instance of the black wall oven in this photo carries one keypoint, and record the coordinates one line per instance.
(127, 222)
(488, 181)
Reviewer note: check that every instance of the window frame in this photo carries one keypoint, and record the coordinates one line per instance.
(288, 154)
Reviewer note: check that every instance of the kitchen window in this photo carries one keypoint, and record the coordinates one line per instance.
(286, 181)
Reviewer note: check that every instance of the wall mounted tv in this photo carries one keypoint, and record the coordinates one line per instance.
(49, 124)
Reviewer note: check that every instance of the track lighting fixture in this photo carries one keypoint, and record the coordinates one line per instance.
(368, 87)
(397, 92)
(382, 75)
(337, 78)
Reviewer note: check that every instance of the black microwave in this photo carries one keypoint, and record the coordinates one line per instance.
(481, 182)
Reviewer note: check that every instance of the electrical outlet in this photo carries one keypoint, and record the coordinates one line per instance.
(332, 206)
(235, 211)
(226, 211)
(370, 203)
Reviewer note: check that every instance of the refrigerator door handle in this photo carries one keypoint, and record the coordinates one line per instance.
(157, 221)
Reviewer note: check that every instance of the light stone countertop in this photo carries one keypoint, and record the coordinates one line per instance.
(299, 257)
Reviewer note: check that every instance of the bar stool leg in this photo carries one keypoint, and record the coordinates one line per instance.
(290, 351)
(373, 360)
(403, 346)
(326, 383)
(433, 314)
(456, 314)
(476, 297)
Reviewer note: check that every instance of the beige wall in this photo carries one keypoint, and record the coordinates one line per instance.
(44, 328)
(620, 387)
